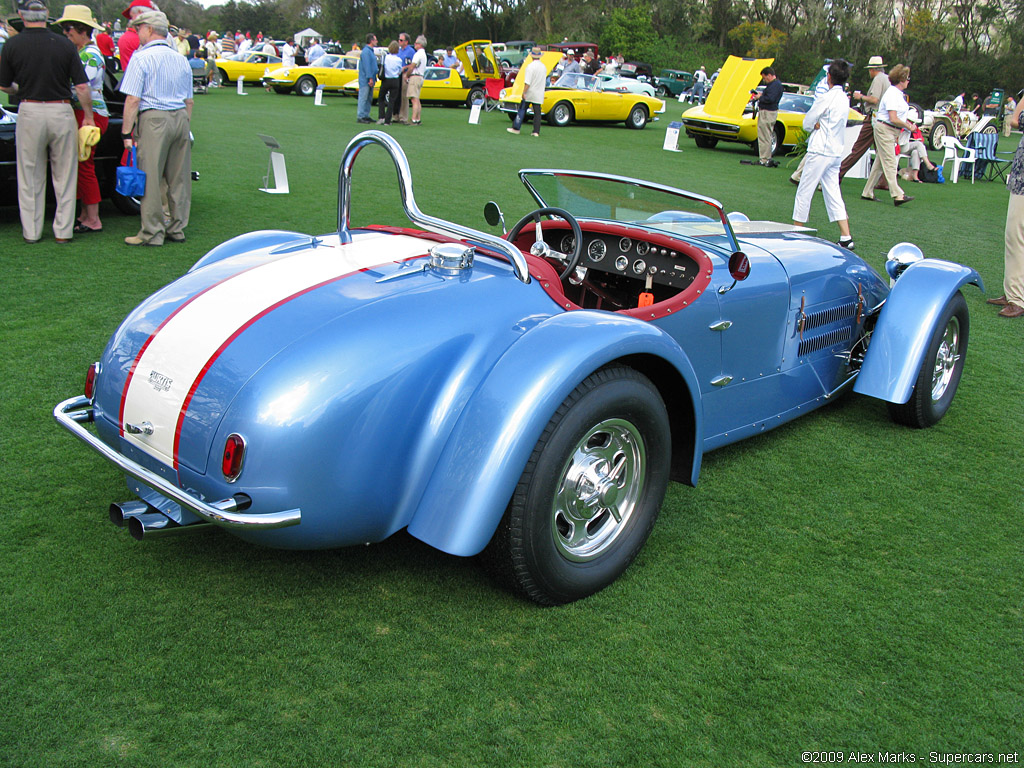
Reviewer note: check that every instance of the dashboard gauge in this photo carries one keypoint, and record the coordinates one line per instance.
(621, 263)
(597, 250)
(568, 244)
(625, 244)
(642, 248)
(639, 266)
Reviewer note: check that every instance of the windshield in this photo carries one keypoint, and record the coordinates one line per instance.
(578, 81)
(327, 60)
(630, 201)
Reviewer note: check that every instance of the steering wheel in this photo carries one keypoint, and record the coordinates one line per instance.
(542, 249)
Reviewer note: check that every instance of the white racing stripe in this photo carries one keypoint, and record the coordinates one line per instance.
(180, 351)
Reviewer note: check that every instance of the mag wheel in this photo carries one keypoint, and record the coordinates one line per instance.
(561, 115)
(589, 494)
(306, 86)
(637, 117)
(940, 372)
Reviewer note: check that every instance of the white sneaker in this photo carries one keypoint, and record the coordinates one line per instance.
(512, 130)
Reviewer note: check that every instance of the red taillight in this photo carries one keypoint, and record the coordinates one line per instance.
(231, 461)
(90, 380)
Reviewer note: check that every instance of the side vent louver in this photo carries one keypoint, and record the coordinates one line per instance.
(813, 343)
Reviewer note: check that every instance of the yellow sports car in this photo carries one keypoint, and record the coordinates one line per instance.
(579, 97)
(442, 85)
(729, 115)
(332, 71)
(250, 65)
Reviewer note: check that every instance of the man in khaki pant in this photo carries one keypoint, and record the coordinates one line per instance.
(767, 115)
(158, 88)
(44, 64)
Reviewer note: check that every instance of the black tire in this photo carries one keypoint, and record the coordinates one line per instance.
(940, 372)
(637, 117)
(778, 136)
(990, 128)
(475, 94)
(940, 129)
(282, 89)
(129, 206)
(561, 114)
(705, 142)
(555, 544)
(506, 63)
(223, 75)
(661, 92)
(306, 86)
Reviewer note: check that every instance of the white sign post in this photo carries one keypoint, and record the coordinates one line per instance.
(241, 86)
(672, 137)
(318, 97)
(474, 112)
(275, 167)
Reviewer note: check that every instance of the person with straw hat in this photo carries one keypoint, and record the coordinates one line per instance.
(78, 25)
(37, 66)
(869, 103)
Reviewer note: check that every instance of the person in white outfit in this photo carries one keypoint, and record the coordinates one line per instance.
(827, 119)
(534, 78)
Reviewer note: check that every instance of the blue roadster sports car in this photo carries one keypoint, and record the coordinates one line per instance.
(526, 397)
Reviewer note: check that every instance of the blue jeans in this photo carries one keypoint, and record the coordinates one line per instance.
(521, 116)
(365, 98)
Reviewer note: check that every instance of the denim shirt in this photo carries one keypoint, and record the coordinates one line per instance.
(1015, 181)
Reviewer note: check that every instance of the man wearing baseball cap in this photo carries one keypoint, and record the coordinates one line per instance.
(129, 41)
(157, 109)
(44, 65)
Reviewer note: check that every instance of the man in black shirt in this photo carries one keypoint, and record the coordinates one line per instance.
(39, 66)
(767, 114)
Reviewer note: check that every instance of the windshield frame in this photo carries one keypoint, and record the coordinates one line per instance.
(526, 174)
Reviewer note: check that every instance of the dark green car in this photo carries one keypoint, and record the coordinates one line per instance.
(672, 81)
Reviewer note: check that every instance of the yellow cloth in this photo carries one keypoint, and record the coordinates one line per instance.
(88, 137)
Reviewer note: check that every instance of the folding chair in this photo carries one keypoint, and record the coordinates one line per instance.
(951, 144)
(988, 159)
(493, 87)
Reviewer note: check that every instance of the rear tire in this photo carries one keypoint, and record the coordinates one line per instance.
(475, 94)
(590, 492)
(940, 372)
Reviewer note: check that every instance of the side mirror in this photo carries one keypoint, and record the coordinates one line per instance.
(494, 216)
(739, 269)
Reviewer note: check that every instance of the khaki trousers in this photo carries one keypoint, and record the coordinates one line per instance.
(165, 154)
(885, 160)
(403, 107)
(765, 128)
(1013, 269)
(46, 131)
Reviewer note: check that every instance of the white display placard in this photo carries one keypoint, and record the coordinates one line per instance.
(318, 98)
(672, 137)
(241, 86)
(474, 113)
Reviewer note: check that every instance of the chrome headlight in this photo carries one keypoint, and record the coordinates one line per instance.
(501, 95)
(901, 256)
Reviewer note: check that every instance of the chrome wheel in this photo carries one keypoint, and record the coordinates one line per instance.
(599, 490)
(946, 359)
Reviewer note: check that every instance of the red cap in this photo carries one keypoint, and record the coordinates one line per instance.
(136, 4)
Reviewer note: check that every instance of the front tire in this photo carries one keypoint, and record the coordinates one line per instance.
(306, 86)
(940, 129)
(561, 115)
(590, 492)
(940, 372)
(705, 142)
(637, 117)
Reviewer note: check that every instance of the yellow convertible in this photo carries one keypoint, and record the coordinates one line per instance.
(332, 71)
(729, 115)
(579, 97)
(250, 65)
(442, 85)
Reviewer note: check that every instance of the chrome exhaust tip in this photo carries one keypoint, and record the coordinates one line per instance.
(122, 512)
(156, 524)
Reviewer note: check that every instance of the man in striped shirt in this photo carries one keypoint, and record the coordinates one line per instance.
(157, 109)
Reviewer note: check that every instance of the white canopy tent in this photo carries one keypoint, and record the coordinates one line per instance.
(303, 37)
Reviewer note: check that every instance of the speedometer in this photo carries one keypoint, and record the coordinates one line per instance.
(597, 250)
(568, 244)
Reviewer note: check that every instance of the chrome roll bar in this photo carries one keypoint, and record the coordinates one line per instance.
(224, 513)
(416, 216)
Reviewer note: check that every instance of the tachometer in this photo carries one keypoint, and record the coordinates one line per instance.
(597, 250)
(568, 244)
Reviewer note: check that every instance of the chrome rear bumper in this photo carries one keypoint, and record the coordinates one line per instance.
(72, 412)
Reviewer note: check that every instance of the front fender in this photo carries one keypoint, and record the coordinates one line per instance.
(496, 433)
(905, 326)
(251, 241)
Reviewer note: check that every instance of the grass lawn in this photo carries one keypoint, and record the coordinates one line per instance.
(840, 583)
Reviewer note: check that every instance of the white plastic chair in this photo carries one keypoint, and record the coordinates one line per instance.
(951, 144)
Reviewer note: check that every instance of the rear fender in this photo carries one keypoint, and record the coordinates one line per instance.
(251, 241)
(487, 451)
(906, 325)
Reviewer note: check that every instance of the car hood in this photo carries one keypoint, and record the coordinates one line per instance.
(732, 87)
(264, 326)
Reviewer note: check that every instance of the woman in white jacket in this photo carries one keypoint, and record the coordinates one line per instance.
(825, 150)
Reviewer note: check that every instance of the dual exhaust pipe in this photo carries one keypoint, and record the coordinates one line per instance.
(147, 522)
